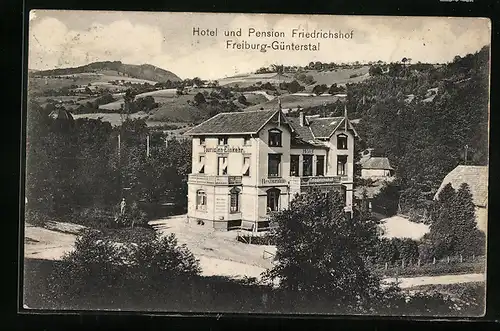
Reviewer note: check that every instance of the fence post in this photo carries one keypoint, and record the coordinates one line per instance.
(418, 262)
(448, 259)
(433, 260)
(403, 263)
(386, 266)
(461, 258)
(473, 257)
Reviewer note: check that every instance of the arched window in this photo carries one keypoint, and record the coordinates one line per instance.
(274, 138)
(273, 199)
(201, 200)
(234, 206)
(342, 141)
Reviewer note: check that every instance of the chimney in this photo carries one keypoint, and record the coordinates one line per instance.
(302, 118)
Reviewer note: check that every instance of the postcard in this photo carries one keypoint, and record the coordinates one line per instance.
(256, 163)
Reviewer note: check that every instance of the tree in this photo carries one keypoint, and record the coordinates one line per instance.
(453, 227)
(375, 71)
(199, 98)
(319, 251)
(470, 240)
(320, 89)
(243, 100)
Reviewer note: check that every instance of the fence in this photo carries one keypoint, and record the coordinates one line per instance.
(416, 267)
(262, 237)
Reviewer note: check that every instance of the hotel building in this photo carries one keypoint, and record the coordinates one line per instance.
(246, 165)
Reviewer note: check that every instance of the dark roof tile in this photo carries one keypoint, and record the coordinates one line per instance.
(231, 123)
(323, 127)
(377, 163)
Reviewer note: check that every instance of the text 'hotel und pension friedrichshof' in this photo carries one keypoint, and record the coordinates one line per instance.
(270, 38)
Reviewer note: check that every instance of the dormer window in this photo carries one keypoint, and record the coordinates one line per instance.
(223, 141)
(342, 141)
(274, 138)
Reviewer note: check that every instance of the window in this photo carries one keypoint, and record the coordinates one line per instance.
(223, 141)
(246, 166)
(222, 166)
(201, 200)
(294, 165)
(273, 198)
(234, 205)
(320, 165)
(341, 141)
(342, 165)
(274, 138)
(307, 169)
(202, 141)
(247, 141)
(201, 164)
(274, 165)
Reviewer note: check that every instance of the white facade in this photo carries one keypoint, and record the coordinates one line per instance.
(238, 179)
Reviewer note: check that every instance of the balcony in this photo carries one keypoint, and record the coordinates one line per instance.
(223, 180)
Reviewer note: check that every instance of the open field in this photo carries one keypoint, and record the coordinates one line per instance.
(294, 101)
(339, 76)
(245, 80)
(113, 118)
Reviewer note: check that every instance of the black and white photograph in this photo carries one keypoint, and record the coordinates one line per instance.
(256, 163)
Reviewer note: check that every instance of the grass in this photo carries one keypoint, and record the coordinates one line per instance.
(293, 101)
(339, 76)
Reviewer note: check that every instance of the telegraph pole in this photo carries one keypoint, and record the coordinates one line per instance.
(465, 155)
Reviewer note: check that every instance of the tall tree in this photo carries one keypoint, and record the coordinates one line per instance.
(319, 250)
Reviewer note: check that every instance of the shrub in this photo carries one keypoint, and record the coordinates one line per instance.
(35, 217)
(93, 267)
(391, 250)
(162, 259)
(99, 269)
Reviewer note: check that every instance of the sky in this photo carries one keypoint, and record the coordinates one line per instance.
(60, 39)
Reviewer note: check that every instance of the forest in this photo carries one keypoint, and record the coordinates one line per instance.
(425, 136)
(74, 165)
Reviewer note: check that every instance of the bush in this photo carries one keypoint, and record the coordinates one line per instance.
(98, 268)
(35, 217)
(93, 267)
(391, 250)
(162, 259)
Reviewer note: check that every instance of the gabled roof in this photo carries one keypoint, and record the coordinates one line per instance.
(323, 127)
(304, 132)
(376, 163)
(249, 122)
(475, 176)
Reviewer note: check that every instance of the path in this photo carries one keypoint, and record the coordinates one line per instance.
(47, 244)
(434, 280)
(218, 251)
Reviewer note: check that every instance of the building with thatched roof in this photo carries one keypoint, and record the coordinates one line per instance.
(477, 179)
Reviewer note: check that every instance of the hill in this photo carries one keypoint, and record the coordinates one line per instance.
(292, 101)
(143, 71)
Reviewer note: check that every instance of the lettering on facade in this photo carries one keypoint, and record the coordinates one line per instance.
(223, 149)
(307, 151)
(273, 181)
(320, 180)
(220, 205)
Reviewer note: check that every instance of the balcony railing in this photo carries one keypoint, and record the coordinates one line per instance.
(214, 180)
